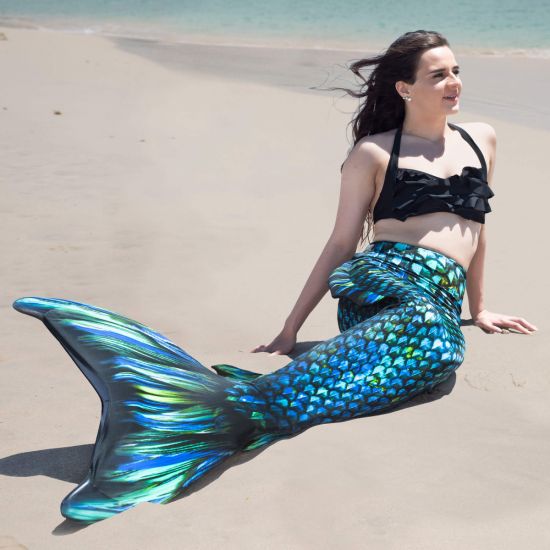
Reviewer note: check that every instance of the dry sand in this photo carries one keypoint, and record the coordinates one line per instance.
(171, 193)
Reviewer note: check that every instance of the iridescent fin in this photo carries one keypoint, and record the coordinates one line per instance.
(235, 373)
(165, 419)
(87, 504)
(262, 440)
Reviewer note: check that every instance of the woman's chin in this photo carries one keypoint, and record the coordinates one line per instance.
(453, 106)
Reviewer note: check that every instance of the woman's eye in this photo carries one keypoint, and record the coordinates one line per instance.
(441, 74)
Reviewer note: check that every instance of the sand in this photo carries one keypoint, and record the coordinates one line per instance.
(167, 189)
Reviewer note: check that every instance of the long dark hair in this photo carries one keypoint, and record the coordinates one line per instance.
(381, 107)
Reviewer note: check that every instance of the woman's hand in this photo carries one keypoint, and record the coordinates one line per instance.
(282, 344)
(498, 322)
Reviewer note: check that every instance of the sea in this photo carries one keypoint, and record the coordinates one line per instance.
(484, 27)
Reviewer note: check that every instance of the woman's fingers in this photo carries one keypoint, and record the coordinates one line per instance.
(272, 349)
(488, 327)
(525, 323)
(258, 348)
(517, 326)
(504, 324)
(268, 349)
(282, 344)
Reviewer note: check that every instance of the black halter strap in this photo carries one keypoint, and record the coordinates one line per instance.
(391, 172)
(473, 144)
(382, 208)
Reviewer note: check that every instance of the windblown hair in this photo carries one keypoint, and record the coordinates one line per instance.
(381, 107)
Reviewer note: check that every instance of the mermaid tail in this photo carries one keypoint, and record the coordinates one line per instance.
(399, 313)
(167, 420)
(164, 420)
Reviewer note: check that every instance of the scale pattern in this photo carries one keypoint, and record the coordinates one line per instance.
(400, 315)
(167, 420)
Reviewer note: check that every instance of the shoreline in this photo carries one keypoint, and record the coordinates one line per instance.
(252, 41)
(309, 70)
(301, 70)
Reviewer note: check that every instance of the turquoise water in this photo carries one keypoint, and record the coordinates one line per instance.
(487, 26)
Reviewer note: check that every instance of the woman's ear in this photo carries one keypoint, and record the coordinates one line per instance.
(402, 88)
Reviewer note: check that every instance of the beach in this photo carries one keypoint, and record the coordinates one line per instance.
(192, 188)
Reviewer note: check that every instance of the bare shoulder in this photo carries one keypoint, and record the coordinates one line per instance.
(485, 137)
(480, 131)
(372, 150)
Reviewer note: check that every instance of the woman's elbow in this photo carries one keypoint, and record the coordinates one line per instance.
(344, 246)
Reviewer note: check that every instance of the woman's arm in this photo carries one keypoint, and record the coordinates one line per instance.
(474, 277)
(475, 274)
(486, 320)
(356, 193)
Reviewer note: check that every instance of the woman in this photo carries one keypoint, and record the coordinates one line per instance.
(415, 86)
(167, 420)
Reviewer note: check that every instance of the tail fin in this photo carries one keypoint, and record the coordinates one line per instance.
(165, 418)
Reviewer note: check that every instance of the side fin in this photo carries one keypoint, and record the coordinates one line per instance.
(262, 441)
(235, 373)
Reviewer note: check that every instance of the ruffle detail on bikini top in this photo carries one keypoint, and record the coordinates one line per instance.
(466, 194)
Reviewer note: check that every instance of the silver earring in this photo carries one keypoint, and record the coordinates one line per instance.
(407, 97)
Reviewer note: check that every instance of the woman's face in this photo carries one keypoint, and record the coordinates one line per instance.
(436, 79)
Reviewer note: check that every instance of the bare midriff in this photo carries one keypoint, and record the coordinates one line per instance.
(444, 232)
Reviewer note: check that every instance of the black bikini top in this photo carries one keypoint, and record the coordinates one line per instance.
(409, 192)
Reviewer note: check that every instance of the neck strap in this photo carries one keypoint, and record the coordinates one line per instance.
(391, 172)
(473, 144)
